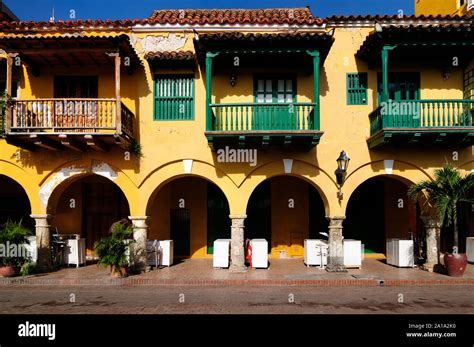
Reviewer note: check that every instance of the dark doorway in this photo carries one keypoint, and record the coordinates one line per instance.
(317, 215)
(259, 214)
(180, 231)
(218, 221)
(14, 203)
(104, 204)
(76, 87)
(365, 216)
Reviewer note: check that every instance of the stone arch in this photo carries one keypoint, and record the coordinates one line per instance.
(403, 171)
(15, 204)
(87, 204)
(322, 182)
(62, 177)
(20, 176)
(285, 209)
(159, 177)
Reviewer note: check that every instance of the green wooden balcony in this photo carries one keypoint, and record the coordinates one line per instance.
(263, 124)
(422, 121)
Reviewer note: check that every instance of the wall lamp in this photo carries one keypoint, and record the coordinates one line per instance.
(342, 165)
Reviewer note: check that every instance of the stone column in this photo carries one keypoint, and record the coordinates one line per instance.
(43, 241)
(336, 251)
(138, 250)
(237, 256)
(433, 230)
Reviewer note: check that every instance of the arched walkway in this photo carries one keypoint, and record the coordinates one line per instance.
(379, 209)
(285, 210)
(14, 203)
(191, 211)
(87, 204)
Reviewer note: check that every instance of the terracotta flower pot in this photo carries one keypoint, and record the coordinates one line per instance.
(455, 263)
(121, 273)
(9, 271)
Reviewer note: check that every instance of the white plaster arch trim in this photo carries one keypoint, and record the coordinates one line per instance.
(71, 170)
(293, 172)
(180, 173)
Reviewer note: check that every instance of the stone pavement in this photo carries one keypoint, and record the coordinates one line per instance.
(281, 272)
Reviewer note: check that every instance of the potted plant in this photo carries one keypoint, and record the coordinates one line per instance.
(5, 102)
(13, 254)
(445, 192)
(113, 251)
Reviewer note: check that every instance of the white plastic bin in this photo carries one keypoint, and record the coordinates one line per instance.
(75, 252)
(259, 253)
(32, 249)
(220, 258)
(315, 252)
(166, 250)
(470, 249)
(352, 253)
(400, 253)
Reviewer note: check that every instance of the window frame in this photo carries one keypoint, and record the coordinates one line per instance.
(192, 78)
(359, 89)
(274, 80)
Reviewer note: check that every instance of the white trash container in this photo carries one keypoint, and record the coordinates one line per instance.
(352, 253)
(400, 253)
(470, 249)
(220, 258)
(259, 253)
(166, 252)
(315, 252)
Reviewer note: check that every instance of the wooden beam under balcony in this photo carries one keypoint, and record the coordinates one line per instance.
(46, 142)
(96, 143)
(71, 143)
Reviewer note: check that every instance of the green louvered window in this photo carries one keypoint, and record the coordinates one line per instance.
(356, 88)
(174, 97)
(469, 85)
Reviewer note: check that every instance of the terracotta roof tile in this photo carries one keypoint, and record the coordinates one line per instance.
(299, 16)
(181, 55)
(393, 18)
(68, 24)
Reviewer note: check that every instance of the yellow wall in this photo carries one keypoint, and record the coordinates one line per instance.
(436, 7)
(165, 144)
(290, 226)
(194, 192)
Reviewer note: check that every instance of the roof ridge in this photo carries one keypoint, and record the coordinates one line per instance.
(232, 9)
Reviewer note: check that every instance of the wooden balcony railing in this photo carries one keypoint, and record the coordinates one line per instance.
(262, 117)
(69, 115)
(426, 114)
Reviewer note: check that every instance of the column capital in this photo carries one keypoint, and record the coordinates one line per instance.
(335, 218)
(41, 217)
(139, 218)
(238, 220)
(238, 216)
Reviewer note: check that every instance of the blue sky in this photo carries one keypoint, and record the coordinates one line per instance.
(119, 9)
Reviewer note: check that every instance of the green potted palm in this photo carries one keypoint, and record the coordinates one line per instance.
(13, 254)
(445, 192)
(113, 251)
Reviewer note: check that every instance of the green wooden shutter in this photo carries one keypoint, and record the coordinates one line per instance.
(174, 97)
(356, 88)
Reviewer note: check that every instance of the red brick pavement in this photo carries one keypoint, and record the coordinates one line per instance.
(282, 272)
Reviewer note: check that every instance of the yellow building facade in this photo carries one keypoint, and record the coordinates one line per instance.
(209, 124)
(443, 7)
